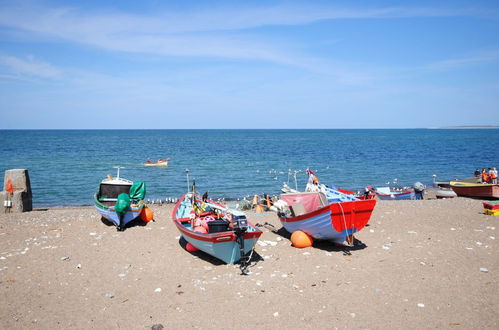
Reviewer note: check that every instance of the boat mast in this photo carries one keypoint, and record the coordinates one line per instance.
(118, 171)
(187, 174)
(296, 181)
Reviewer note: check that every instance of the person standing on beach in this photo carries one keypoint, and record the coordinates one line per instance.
(493, 175)
(485, 176)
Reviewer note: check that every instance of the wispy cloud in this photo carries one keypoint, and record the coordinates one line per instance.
(458, 62)
(30, 67)
(215, 32)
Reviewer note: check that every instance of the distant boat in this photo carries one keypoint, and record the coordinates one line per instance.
(445, 193)
(120, 200)
(161, 163)
(227, 234)
(473, 189)
(388, 193)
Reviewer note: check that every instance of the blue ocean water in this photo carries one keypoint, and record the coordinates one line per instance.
(66, 166)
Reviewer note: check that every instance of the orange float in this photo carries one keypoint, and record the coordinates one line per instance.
(301, 239)
(147, 214)
(191, 248)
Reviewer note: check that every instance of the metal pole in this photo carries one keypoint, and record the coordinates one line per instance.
(187, 173)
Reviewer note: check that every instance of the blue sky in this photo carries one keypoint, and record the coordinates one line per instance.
(248, 64)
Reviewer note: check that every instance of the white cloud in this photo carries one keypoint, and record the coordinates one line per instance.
(29, 67)
(214, 32)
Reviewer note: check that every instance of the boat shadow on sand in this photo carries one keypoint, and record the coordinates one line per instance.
(134, 223)
(255, 257)
(319, 244)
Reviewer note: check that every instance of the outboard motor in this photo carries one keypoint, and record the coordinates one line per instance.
(240, 227)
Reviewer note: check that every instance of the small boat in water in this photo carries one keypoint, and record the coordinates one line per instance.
(215, 229)
(475, 189)
(324, 213)
(159, 163)
(120, 200)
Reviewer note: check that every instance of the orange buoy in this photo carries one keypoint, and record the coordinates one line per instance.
(147, 214)
(191, 248)
(259, 208)
(8, 186)
(301, 239)
(200, 229)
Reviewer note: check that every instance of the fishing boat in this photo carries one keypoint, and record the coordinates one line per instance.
(475, 189)
(213, 228)
(444, 193)
(388, 193)
(159, 163)
(324, 213)
(120, 200)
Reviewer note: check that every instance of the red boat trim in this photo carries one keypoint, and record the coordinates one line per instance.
(307, 215)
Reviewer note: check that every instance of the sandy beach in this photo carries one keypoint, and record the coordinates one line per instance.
(425, 264)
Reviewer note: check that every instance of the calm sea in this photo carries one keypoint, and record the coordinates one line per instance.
(66, 166)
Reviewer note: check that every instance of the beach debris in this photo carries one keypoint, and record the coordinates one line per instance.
(276, 314)
(387, 246)
(484, 270)
(109, 295)
(157, 290)
(158, 326)
(78, 266)
(420, 305)
(122, 275)
(65, 258)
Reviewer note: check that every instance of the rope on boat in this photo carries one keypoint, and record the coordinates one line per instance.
(245, 263)
(345, 223)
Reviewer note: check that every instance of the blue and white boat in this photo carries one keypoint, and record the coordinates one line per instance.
(120, 200)
(215, 229)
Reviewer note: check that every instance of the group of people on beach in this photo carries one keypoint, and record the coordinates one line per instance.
(487, 176)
